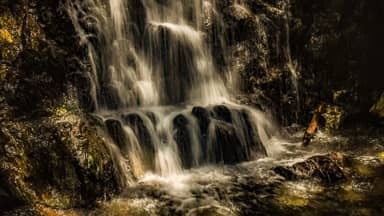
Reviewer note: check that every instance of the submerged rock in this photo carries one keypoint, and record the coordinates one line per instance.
(203, 117)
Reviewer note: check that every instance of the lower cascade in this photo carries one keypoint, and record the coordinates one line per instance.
(156, 88)
(167, 139)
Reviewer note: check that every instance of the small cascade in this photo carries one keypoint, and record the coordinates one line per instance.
(164, 104)
(168, 139)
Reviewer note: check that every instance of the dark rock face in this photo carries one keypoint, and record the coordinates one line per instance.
(258, 53)
(48, 152)
(339, 45)
(36, 66)
(66, 158)
(333, 46)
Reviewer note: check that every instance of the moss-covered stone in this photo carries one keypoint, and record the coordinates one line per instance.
(49, 153)
(58, 161)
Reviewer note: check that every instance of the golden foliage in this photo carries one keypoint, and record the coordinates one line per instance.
(5, 36)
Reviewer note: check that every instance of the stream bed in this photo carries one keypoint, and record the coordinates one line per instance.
(253, 188)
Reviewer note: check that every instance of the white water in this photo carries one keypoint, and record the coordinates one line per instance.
(150, 66)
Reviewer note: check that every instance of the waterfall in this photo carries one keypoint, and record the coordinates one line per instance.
(154, 83)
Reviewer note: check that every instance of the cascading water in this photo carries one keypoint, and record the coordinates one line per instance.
(155, 85)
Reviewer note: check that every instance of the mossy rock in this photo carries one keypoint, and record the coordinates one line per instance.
(58, 161)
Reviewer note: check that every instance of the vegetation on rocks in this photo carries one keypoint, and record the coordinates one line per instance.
(49, 153)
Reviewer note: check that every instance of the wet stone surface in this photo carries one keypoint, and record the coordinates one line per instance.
(335, 183)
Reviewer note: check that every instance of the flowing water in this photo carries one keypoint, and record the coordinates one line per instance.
(155, 86)
(179, 143)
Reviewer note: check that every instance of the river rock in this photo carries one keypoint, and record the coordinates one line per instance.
(326, 168)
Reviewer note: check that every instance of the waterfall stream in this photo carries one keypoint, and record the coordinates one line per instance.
(155, 85)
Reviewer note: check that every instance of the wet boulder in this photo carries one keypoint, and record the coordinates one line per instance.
(326, 168)
(203, 118)
(142, 132)
(225, 146)
(116, 132)
(183, 139)
(222, 112)
(253, 140)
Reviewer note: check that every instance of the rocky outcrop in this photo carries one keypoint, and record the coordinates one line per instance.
(49, 153)
(339, 45)
(58, 161)
(292, 55)
(257, 54)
